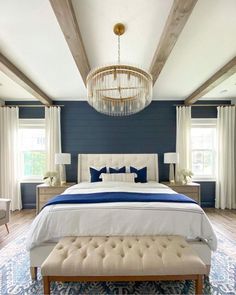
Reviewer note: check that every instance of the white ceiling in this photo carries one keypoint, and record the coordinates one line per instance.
(207, 42)
(226, 90)
(30, 37)
(9, 90)
(144, 21)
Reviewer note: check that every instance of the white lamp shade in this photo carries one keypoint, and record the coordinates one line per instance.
(63, 158)
(171, 158)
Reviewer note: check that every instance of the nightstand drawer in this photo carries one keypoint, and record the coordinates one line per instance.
(45, 192)
(194, 196)
(45, 197)
(191, 190)
(52, 190)
(185, 189)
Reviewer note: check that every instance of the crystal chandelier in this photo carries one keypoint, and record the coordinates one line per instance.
(119, 90)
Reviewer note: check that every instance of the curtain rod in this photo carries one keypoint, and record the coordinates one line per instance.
(31, 106)
(204, 105)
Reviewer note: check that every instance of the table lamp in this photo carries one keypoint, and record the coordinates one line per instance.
(171, 158)
(62, 159)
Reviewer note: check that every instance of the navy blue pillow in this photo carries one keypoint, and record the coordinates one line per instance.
(95, 174)
(119, 170)
(141, 174)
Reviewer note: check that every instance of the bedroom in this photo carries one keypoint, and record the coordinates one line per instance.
(185, 119)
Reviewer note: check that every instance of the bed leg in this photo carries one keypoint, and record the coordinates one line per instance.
(33, 272)
(199, 285)
(46, 285)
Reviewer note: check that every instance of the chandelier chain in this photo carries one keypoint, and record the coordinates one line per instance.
(118, 49)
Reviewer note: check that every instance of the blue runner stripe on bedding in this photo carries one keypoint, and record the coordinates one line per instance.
(110, 197)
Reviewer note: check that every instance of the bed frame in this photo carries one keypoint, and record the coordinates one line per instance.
(40, 253)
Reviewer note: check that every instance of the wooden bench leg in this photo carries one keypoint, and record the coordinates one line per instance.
(33, 272)
(199, 285)
(46, 285)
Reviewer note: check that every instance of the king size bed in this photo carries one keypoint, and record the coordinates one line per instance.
(119, 210)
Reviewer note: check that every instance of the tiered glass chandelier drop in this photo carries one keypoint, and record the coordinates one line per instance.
(119, 90)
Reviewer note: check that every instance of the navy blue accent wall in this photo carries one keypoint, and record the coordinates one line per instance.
(28, 195)
(86, 131)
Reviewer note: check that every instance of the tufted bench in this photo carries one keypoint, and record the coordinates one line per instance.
(146, 258)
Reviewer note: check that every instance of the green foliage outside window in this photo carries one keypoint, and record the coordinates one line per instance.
(34, 163)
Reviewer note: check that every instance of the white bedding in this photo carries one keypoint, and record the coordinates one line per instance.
(121, 218)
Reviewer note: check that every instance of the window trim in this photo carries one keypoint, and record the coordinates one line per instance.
(203, 123)
(28, 124)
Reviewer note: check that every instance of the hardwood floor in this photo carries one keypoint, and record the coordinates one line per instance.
(19, 224)
(222, 220)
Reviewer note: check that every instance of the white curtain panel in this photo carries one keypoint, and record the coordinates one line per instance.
(226, 178)
(183, 138)
(9, 156)
(53, 136)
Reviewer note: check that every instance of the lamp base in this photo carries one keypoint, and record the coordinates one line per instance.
(171, 174)
(62, 175)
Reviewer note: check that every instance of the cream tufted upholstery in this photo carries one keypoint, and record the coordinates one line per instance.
(122, 256)
(117, 160)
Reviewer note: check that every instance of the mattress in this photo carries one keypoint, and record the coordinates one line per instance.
(121, 218)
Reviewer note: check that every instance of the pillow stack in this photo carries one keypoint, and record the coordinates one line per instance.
(118, 174)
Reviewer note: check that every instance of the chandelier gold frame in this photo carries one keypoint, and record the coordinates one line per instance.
(119, 90)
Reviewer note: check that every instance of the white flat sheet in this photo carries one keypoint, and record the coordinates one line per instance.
(121, 218)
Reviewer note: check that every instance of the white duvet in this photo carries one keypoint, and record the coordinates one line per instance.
(120, 218)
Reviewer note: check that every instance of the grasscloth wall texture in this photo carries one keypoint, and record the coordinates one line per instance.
(151, 131)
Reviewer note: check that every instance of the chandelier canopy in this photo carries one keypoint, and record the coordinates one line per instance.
(119, 90)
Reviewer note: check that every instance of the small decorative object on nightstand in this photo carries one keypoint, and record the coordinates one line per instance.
(171, 158)
(185, 176)
(45, 192)
(191, 190)
(50, 178)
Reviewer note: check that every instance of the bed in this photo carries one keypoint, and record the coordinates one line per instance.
(119, 218)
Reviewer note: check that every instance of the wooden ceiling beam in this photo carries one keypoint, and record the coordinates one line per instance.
(66, 17)
(178, 16)
(20, 78)
(222, 74)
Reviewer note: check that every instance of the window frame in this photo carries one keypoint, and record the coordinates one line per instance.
(204, 123)
(29, 124)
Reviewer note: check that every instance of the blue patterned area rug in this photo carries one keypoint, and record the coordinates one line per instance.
(15, 277)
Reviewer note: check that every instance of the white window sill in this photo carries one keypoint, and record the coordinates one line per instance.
(31, 181)
(204, 179)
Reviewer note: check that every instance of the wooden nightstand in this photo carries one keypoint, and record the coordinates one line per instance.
(191, 190)
(45, 192)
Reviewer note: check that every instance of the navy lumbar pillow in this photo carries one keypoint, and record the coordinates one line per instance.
(95, 174)
(141, 174)
(118, 170)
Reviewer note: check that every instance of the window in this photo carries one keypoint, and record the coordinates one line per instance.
(203, 144)
(32, 149)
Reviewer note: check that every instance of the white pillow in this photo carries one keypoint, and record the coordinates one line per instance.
(125, 177)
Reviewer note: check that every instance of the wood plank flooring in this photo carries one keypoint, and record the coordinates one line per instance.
(222, 220)
(19, 224)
